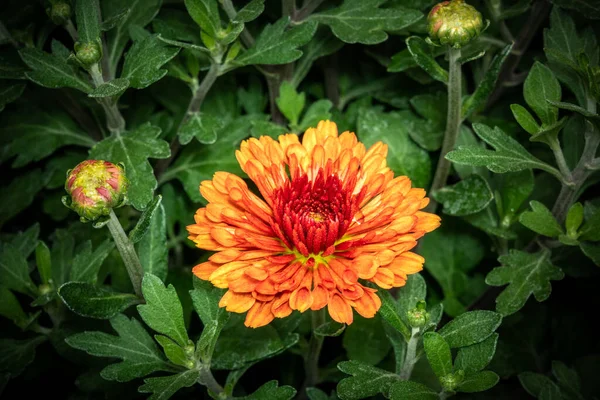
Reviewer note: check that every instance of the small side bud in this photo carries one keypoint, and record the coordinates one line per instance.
(88, 53)
(44, 288)
(451, 381)
(454, 23)
(59, 12)
(418, 316)
(95, 187)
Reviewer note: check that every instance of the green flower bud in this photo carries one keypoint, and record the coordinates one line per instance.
(44, 288)
(418, 316)
(88, 53)
(60, 12)
(451, 381)
(454, 23)
(95, 187)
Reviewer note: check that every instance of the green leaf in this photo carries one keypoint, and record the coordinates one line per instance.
(362, 21)
(423, 57)
(290, 102)
(152, 248)
(428, 131)
(14, 271)
(144, 60)
(438, 354)
(468, 196)
(316, 394)
(143, 224)
(62, 256)
(510, 155)
(92, 301)
(409, 390)
(591, 227)
(365, 381)
(525, 274)
(525, 119)
(114, 20)
(87, 264)
(15, 355)
(114, 88)
(162, 311)
(316, 112)
(11, 308)
(390, 313)
(330, 329)
(276, 45)
(271, 391)
(591, 250)
(479, 382)
(587, 8)
(204, 127)
(36, 134)
(476, 357)
(266, 128)
(322, 44)
(43, 261)
(487, 84)
(140, 354)
(206, 14)
(366, 330)
(52, 71)
(133, 148)
(567, 378)
(163, 387)
(540, 220)
(404, 156)
(27, 241)
(88, 20)
(139, 15)
(9, 92)
(575, 108)
(534, 383)
(173, 351)
(541, 86)
(250, 11)
(19, 193)
(470, 328)
(514, 188)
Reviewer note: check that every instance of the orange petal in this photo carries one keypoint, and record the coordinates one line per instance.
(320, 298)
(340, 310)
(259, 315)
(205, 270)
(367, 305)
(301, 299)
(236, 302)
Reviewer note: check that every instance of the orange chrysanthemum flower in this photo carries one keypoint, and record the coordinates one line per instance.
(331, 213)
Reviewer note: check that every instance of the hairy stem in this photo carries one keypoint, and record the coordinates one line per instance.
(311, 361)
(207, 379)
(453, 122)
(308, 7)
(128, 254)
(114, 120)
(560, 161)
(410, 359)
(246, 36)
(198, 96)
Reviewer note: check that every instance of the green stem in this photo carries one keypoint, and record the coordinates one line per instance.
(114, 120)
(128, 254)
(410, 359)
(453, 122)
(207, 379)
(560, 161)
(247, 38)
(311, 361)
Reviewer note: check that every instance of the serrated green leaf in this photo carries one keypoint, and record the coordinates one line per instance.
(9, 92)
(409, 390)
(476, 357)
(143, 224)
(14, 271)
(276, 45)
(162, 388)
(152, 248)
(470, 328)
(541, 86)
(541, 220)
(11, 308)
(87, 264)
(479, 382)
(15, 355)
(404, 156)
(366, 330)
(173, 351)
(52, 71)
(162, 311)
(133, 148)
(366, 381)
(290, 102)
(428, 131)
(266, 128)
(271, 391)
(114, 20)
(92, 301)
(203, 126)
(206, 14)
(438, 354)
(390, 313)
(316, 112)
(250, 11)
(19, 193)
(423, 57)
(88, 20)
(362, 21)
(487, 84)
(140, 354)
(114, 88)
(140, 14)
(525, 119)
(468, 196)
(144, 60)
(509, 155)
(63, 246)
(525, 274)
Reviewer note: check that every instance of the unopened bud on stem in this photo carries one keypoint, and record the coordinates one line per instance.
(454, 23)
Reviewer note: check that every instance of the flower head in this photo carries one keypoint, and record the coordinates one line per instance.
(454, 23)
(331, 216)
(95, 187)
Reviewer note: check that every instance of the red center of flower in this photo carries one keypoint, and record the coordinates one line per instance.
(311, 215)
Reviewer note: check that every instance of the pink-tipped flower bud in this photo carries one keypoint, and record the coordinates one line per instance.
(454, 23)
(95, 187)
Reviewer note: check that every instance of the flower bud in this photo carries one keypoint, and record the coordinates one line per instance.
(60, 12)
(88, 53)
(454, 23)
(418, 316)
(95, 187)
(451, 381)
